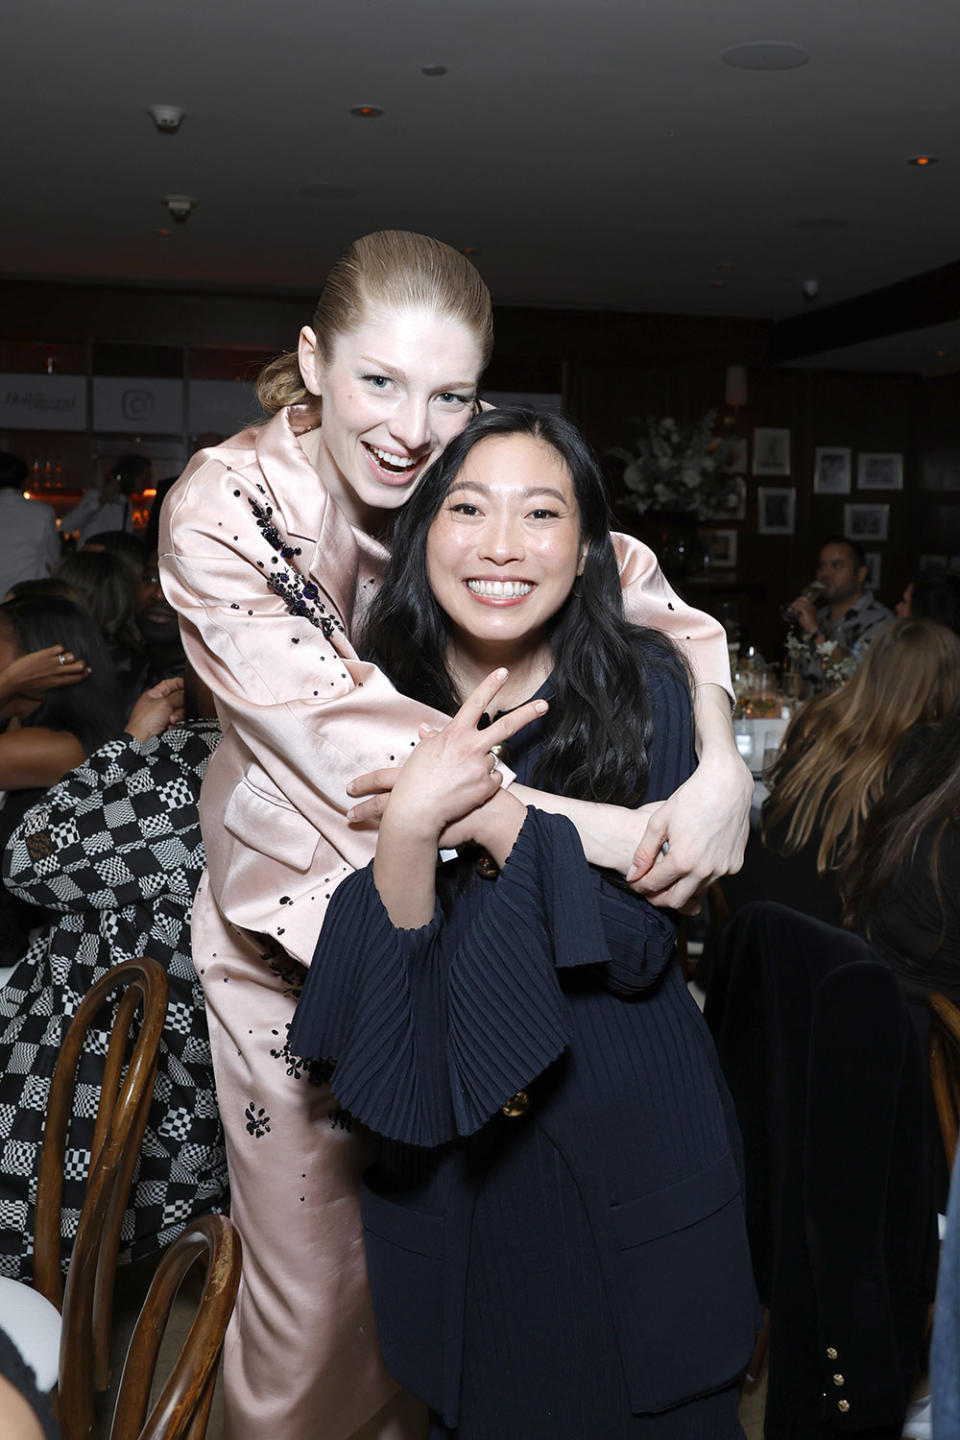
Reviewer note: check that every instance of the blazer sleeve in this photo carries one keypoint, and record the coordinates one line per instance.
(649, 600)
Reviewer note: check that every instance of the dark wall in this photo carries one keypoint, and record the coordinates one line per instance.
(608, 366)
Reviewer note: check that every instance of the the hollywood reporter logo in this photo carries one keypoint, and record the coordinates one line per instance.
(137, 405)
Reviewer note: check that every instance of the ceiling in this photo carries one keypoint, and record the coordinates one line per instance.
(593, 153)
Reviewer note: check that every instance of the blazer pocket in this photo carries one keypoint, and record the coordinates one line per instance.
(260, 817)
(405, 1260)
(684, 1288)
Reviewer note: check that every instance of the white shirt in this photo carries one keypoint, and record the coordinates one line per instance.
(91, 515)
(29, 539)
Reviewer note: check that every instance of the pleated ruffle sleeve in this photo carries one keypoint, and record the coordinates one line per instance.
(433, 1029)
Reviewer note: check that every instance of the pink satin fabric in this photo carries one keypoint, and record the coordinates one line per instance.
(301, 716)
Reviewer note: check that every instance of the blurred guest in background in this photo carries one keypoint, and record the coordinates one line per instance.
(29, 539)
(847, 614)
(934, 597)
(109, 507)
(107, 586)
(50, 727)
(109, 859)
(838, 754)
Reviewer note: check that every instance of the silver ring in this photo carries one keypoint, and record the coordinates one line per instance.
(61, 658)
(493, 758)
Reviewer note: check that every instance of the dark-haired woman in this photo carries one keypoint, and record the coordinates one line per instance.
(553, 1221)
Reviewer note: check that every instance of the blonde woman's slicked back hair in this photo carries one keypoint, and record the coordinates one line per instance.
(392, 270)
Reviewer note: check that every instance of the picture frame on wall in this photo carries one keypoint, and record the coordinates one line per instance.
(771, 452)
(720, 547)
(880, 472)
(831, 470)
(874, 569)
(776, 509)
(866, 522)
(931, 564)
(732, 507)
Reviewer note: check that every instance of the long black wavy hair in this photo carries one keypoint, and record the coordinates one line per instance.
(92, 710)
(598, 728)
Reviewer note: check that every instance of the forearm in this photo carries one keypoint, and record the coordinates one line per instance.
(404, 872)
(713, 724)
(609, 834)
(498, 823)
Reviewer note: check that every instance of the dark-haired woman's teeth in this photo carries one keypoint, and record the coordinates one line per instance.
(500, 589)
(392, 462)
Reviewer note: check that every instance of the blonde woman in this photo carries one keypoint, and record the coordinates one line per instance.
(271, 546)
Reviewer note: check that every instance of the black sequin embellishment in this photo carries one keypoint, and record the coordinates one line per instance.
(300, 596)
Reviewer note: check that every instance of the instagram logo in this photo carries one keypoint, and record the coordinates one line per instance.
(137, 405)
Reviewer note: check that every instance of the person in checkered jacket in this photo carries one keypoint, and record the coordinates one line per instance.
(112, 853)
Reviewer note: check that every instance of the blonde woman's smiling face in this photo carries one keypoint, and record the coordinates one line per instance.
(505, 549)
(396, 390)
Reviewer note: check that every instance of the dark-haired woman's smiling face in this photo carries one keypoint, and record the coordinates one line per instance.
(505, 548)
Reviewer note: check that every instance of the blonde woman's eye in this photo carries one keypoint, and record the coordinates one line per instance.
(449, 398)
(378, 382)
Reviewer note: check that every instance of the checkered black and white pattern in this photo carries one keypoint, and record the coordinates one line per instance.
(113, 854)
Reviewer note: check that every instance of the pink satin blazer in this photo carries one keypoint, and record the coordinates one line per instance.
(269, 579)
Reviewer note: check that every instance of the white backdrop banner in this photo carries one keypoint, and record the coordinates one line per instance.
(220, 406)
(43, 402)
(138, 406)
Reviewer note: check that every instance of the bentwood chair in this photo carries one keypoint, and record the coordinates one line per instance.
(182, 1410)
(73, 1320)
(944, 1057)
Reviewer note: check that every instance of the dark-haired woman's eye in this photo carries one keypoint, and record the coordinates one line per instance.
(543, 514)
(464, 507)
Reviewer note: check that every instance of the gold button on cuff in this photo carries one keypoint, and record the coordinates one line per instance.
(488, 868)
(498, 750)
(831, 1353)
(516, 1105)
(843, 1406)
(838, 1380)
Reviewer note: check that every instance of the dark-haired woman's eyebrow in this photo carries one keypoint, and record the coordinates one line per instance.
(527, 494)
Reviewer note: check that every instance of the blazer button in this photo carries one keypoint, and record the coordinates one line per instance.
(838, 1380)
(516, 1105)
(831, 1353)
(488, 868)
(843, 1406)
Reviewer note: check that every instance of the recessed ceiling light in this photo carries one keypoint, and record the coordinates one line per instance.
(366, 112)
(765, 55)
(923, 160)
(320, 190)
(433, 70)
(820, 222)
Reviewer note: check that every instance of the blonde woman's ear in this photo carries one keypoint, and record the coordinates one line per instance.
(309, 361)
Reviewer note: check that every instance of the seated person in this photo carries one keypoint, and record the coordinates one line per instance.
(933, 597)
(107, 585)
(108, 506)
(29, 539)
(837, 755)
(846, 617)
(55, 713)
(111, 856)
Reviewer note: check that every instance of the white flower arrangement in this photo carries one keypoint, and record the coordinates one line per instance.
(672, 468)
(837, 669)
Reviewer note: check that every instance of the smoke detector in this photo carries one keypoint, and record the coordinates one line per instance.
(167, 118)
(180, 207)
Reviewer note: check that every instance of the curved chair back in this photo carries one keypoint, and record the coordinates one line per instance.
(944, 1055)
(182, 1409)
(125, 1096)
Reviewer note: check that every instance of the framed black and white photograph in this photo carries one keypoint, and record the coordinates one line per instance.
(831, 470)
(866, 522)
(776, 507)
(939, 470)
(880, 472)
(874, 569)
(931, 564)
(737, 462)
(771, 452)
(733, 506)
(720, 547)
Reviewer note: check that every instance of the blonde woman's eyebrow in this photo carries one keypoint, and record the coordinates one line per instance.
(398, 374)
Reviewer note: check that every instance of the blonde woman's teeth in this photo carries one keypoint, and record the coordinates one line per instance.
(500, 589)
(393, 462)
